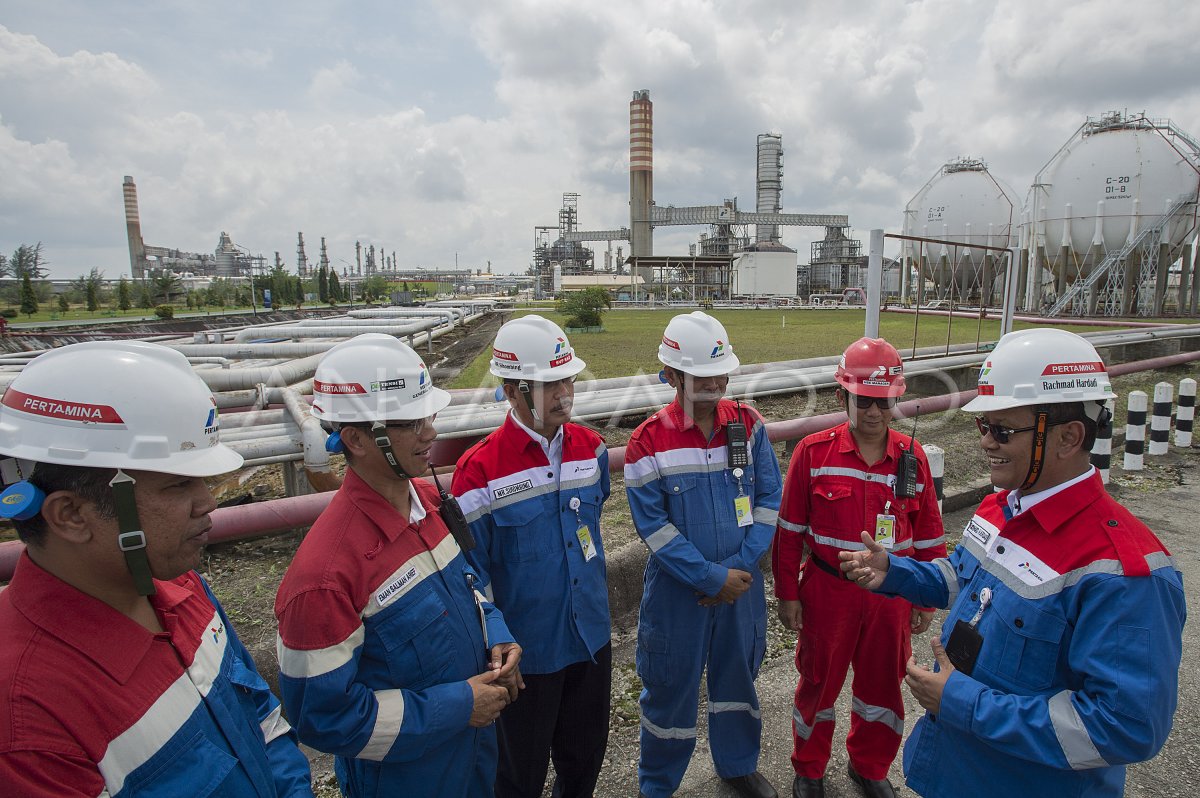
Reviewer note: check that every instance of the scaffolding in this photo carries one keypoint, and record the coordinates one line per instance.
(555, 253)
(685, 278)
(836, 262)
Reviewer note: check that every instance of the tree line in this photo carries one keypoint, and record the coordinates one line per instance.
(162, 289)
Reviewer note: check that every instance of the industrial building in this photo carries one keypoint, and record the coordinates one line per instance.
(725, 264)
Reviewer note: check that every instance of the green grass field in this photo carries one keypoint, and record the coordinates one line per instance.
(629, 343)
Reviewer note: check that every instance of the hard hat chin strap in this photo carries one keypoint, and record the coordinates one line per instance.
(379, 430)
(1038, 457)
(130, 538)
(527, 392)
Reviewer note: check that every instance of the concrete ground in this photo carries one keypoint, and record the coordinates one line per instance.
(1165, 496)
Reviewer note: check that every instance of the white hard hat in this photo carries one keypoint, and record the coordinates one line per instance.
(374, 377)
(1041, 366)
(534, 348)
(109, 404)
(697, 344)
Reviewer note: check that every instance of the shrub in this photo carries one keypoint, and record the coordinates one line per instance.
(164, 312)
(584, 308)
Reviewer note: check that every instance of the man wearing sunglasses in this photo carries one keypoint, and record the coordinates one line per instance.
(1058, 663)
(532, 492)
(389, 656)
(859, 475)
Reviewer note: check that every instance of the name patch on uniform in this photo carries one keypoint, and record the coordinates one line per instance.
(981, 533)
(516, 487)
(396, 586)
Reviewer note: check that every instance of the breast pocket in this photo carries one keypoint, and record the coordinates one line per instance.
(188, 766)
(1029, 645)
(684, 502)
(418, 641)
(520, 537)
(832, 507)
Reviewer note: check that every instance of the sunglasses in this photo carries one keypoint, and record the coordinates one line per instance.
(884, 402)
(999, 434)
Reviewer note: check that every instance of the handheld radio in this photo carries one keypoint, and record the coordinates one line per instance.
(738, 442)
(453, 517)
(906, 472)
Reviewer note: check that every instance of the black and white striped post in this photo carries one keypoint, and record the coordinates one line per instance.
(937, 467)
(1102, 447)
(1160, 419)
(1135, 432)
(1185, 412)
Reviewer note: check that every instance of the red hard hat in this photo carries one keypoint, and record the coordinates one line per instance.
(871, 367)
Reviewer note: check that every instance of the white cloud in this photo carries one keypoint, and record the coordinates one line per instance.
(454, 128)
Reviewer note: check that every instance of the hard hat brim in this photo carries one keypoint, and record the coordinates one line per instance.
(210, 462)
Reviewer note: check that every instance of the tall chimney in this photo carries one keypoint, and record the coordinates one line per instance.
(133, 230)
(641, 173)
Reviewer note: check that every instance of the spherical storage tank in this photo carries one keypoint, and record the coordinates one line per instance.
(1116, 176)
(966, 204)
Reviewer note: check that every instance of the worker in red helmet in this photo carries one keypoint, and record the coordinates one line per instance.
(860, 475)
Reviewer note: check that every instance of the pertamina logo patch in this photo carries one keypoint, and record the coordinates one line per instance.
(719, 349)
(984, 388)
(667, 342)
(560, 345)
(500, 354)
(1073, 368)
(337, 387)
(212, 423)
(61, 409)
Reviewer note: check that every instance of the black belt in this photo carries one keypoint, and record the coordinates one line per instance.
(826, 567)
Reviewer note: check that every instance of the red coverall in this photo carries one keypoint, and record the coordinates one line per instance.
(829, 497)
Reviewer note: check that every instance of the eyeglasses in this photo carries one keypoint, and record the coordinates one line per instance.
(884, 402)
(549, 386)
(417, 425)
(1000, 434)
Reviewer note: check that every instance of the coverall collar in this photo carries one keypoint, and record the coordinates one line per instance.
(847, 444)
(725, 412)
(549, 447)
(1062, 504)
(113, 641)
(379, 510)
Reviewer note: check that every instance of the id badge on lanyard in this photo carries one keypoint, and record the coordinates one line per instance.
(885, 528)
(586, 543)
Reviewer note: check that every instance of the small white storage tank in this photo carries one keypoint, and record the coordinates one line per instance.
(1115, 177)
(765, 269)
(964, 203)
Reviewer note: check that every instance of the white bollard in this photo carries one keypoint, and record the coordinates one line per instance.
(937, 467)
(1186, 412)
(1135, 432)
(1160, 419)
(1102, 448)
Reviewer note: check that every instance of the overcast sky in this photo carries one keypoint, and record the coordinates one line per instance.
(454, 127)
